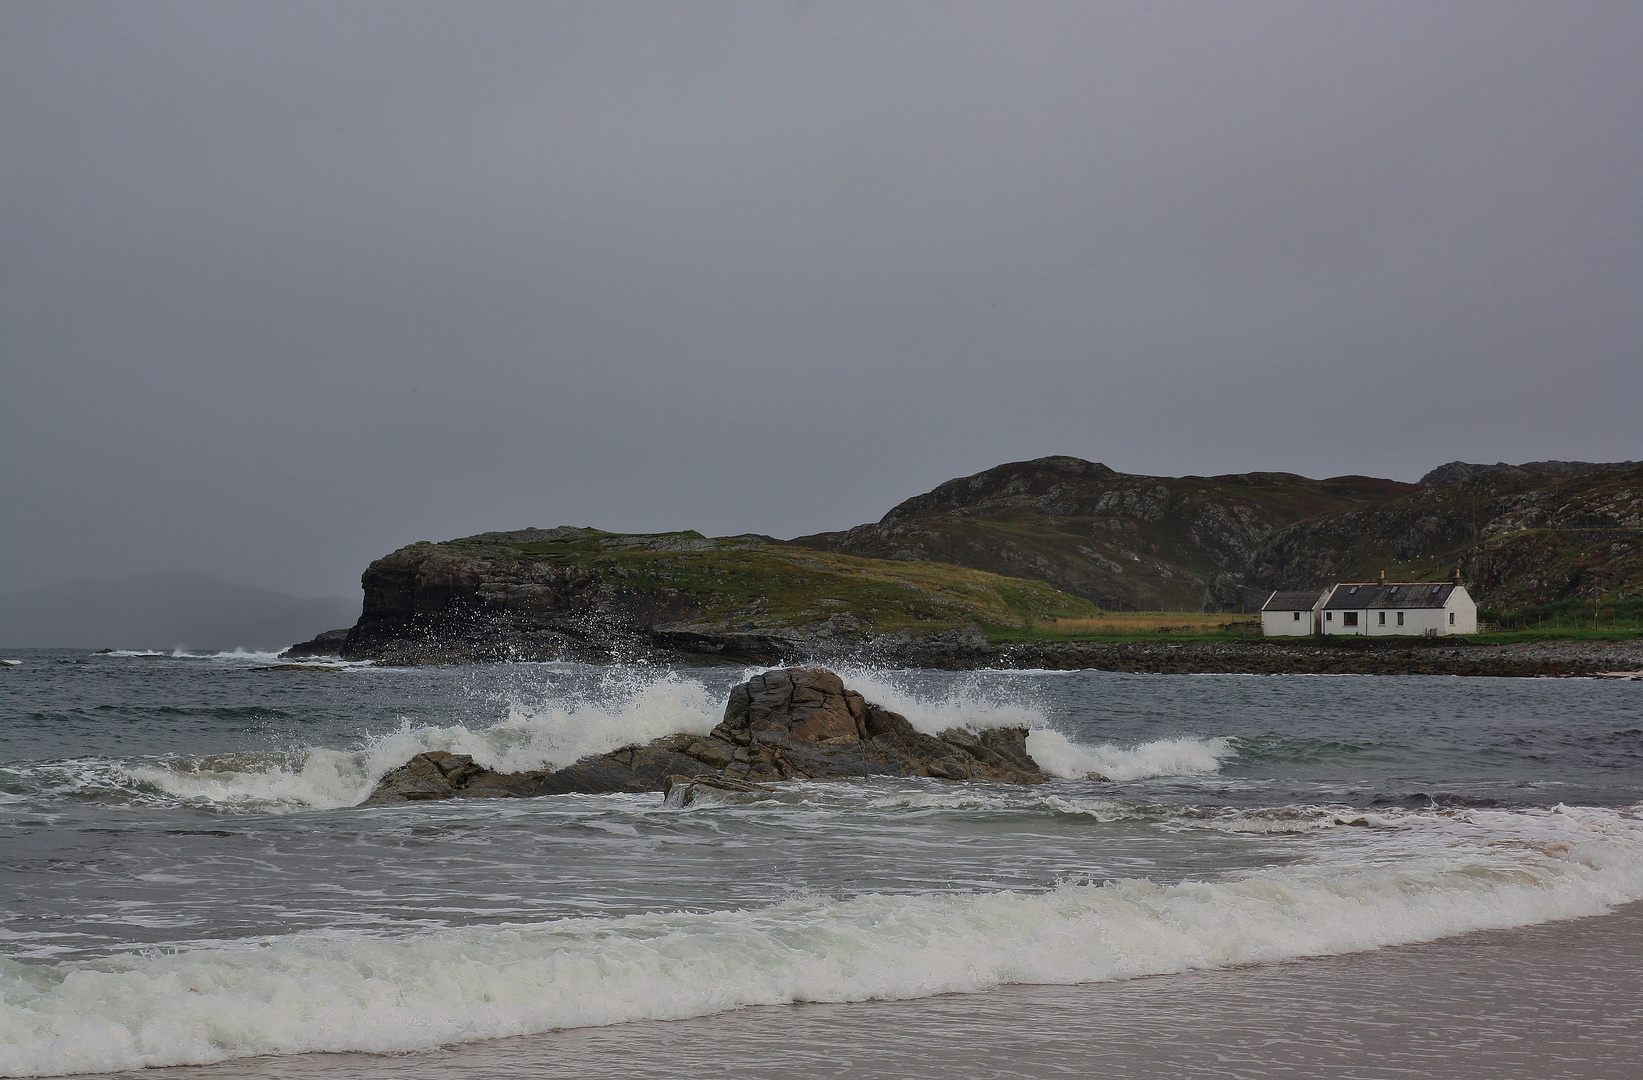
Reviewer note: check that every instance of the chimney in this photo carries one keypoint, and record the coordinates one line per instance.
(1457, 575)
(1383, 577)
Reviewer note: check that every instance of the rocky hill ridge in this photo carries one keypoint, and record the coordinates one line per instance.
(1534, 533)
(1521, 536)
(1120, 540)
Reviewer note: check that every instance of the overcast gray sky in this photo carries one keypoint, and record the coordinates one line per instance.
(284, 286)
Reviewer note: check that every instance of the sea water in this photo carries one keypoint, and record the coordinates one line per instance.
(187, 875)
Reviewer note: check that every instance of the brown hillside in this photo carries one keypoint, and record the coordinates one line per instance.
(1522, 534)
(1120, 540)
(1529, 534)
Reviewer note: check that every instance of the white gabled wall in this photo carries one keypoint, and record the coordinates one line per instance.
(1465, 610)
(1286, 624)
(1334, 622)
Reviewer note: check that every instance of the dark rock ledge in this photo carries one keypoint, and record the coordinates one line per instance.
(787, 724)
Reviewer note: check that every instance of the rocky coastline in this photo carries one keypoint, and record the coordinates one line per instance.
(1339, 656)
(787, 724)
(970, 650)
(584, 595)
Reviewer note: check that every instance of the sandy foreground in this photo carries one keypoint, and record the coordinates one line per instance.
(1544, 1002)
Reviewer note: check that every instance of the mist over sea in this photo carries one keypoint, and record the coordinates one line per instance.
(188, 878)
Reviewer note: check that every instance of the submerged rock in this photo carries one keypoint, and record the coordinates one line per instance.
(786, 724)
(687, 790)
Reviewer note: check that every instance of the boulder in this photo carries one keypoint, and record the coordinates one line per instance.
(688, 790)
(786, 724)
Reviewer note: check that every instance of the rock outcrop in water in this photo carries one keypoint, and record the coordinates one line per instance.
(786, 724)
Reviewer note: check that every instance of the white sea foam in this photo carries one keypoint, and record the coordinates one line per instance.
(555, 735)
(1280, 820)
(622, 711)
(965, 703)
(241, 654)
(319, 778)
(338, 991)
(628, 707)
(1060, 756)
(1274, 821)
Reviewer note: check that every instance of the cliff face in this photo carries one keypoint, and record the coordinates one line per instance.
(482, 597)
(1116, 539)
(584, 594)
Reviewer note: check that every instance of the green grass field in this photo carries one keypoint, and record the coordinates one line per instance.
(747, 585)
(1560, 633)
(762, 587)
(1141, 625)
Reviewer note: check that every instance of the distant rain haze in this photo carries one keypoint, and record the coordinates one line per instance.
(285, 286)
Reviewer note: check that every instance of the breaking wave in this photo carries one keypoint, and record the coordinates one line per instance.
(968, 704)
(337, 991)
(965, 703)
(1060, 756)
(627, 706)
(620, 712)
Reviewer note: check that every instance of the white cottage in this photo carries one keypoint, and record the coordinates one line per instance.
(1291, 614)
(1383, 608)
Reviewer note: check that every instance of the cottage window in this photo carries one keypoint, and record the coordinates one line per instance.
(1383, 618)
(1400, 618)
(1350, 618)
(1330, 616)
(1451, 618)
(1297, 615)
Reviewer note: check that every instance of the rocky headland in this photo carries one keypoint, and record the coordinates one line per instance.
(981, 572)
(583, 594)
(786, 724)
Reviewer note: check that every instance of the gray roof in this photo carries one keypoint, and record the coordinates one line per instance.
(1358, 596)
(1292, 601)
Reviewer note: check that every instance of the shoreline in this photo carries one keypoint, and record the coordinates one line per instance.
(1551, 1001)
(969, 651)
(1545, 659)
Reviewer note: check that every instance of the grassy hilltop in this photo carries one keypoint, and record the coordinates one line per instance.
(748, 584)
(570, 592)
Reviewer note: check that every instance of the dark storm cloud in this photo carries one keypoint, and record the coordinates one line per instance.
(287, 285)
